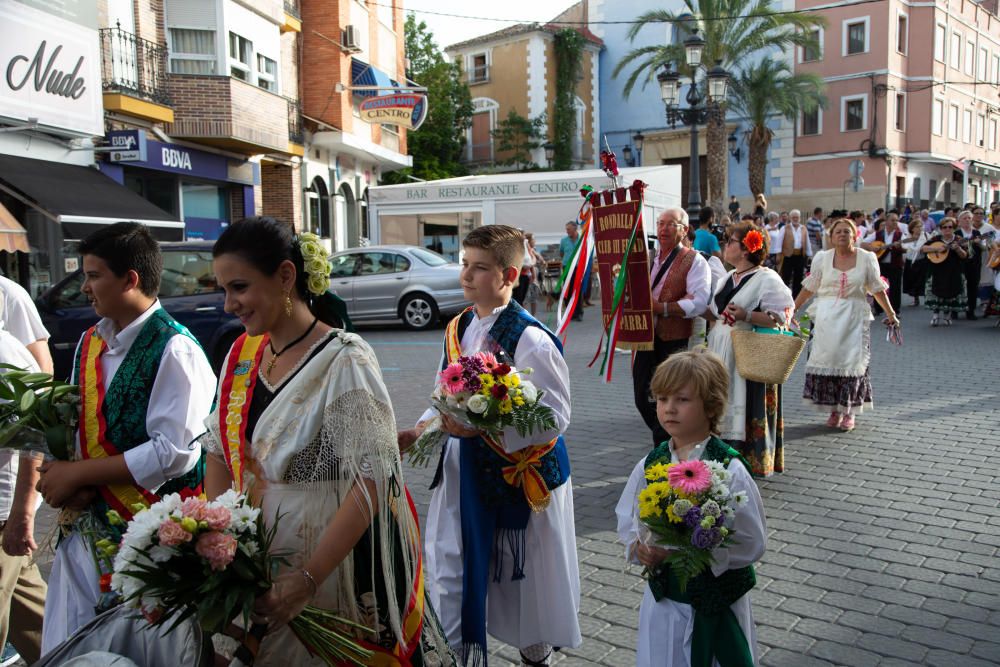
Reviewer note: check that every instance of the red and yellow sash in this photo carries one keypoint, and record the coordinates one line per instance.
(234, 400)
(93, 427)
(523, 470)
(413, 618)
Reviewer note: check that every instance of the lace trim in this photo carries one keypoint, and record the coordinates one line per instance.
(298, 365)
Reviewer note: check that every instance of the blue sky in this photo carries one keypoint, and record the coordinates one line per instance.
(449, 30)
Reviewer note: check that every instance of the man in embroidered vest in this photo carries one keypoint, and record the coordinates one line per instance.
(501, 549)
(795, 248)
(890, 264)
(146, 390)
(681, 285)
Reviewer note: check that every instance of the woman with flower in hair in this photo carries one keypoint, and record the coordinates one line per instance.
(303, 424)
(750, 295)
(837, 378)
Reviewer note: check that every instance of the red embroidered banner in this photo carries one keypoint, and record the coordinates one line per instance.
(616, 217)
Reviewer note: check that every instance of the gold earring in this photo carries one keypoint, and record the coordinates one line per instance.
(288, 304)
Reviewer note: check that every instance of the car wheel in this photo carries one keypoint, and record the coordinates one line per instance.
(419, 311)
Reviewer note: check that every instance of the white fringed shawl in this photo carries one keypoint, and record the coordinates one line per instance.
(330, 426)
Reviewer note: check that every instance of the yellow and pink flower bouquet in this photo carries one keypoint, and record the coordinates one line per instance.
(485, 395)
(690, 510)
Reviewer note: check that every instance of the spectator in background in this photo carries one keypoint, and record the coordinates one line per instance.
(23, 322)
(566, 247)
(815, 227)
(973, 267)
(538, 270)
(526, 277)
(889, 240)
(734, 208)
(704, 241)
(979, 222)
(795, 249)
(914, 271)
(759, 205)
(927, 221)
(774, 242)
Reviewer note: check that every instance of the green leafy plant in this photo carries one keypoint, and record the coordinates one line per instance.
(517, 136)
(37, 412)
(568, 45)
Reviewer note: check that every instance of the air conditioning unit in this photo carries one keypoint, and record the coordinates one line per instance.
(350, 39)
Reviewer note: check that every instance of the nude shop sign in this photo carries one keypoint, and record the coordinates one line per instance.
(407, 111)
(50, 70)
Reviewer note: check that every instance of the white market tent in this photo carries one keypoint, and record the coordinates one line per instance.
(437, 213)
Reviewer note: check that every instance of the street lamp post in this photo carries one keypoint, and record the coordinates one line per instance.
(696, 113)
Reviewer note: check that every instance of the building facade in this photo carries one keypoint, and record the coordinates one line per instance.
(352, 50)
(642, 112)
(913, 94)
(514, 69)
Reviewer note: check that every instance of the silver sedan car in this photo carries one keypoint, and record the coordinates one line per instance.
(403, 282)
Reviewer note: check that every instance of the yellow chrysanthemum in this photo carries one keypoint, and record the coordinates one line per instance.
(518, 401)
(659, 489)
(672, 516)
(514, 380)
(505, 406)
(649, 508)
(487, 380)
(657, 471)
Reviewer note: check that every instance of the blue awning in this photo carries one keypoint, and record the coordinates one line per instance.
(363, 74)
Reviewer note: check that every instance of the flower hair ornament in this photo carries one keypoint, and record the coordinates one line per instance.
(314, 260)
(753, 241)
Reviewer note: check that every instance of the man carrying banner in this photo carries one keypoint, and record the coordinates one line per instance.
(680, 282)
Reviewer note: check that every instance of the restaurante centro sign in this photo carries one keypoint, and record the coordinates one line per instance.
(407, 111)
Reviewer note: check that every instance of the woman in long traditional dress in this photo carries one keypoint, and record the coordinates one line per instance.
(914, 269)
(304, 424)
(837, 378)
(751, 294)
(946, 288)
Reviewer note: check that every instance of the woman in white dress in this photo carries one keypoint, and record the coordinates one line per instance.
(304, 424)
(837, 379)
(751, 294)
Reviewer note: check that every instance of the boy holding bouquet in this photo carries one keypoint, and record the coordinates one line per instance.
(146, 389)
(498, 545)
(705, 618)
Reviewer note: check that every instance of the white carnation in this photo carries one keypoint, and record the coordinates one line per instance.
(741, 498)
(478, 404)
(529, 391)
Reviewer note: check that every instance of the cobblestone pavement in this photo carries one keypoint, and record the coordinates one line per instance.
(883, 542)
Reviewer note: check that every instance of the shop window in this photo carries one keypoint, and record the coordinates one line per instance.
(192, 51)
(240, 57)
(267, 73)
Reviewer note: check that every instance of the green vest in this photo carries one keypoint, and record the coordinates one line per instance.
(717, 634)
(127, 400)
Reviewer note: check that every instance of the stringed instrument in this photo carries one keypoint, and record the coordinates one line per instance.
(881, 247)
(938, 251)
(994, 260)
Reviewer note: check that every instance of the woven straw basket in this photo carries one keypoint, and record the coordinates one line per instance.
(766, 358)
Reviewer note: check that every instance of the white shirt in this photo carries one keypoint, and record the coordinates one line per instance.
(775, 237)
(12, 352)
(179, 402)
(699, 284)
(797, 238)
(19, 315)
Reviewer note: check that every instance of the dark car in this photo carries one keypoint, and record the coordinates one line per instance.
(188, 291)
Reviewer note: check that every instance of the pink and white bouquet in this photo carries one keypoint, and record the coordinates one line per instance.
(212, 560)
(485, 395)
(690, 510)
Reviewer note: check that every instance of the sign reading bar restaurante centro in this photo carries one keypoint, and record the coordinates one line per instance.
(405, 110)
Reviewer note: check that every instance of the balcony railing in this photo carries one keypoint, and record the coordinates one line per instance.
(480, 153)
(292, 8)
(133, 66)
(296, 133)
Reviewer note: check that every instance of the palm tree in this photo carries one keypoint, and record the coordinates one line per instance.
(733, 30)
(764, 90)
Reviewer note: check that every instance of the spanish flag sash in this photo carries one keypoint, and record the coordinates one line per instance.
(238, 383)
(413, 618)
(525, 464)
(94, 443)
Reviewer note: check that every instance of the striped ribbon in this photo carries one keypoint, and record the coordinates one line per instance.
(234, 400)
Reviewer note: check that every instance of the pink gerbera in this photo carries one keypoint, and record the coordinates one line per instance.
(451, 378)
(489, 361)
(690, 477)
